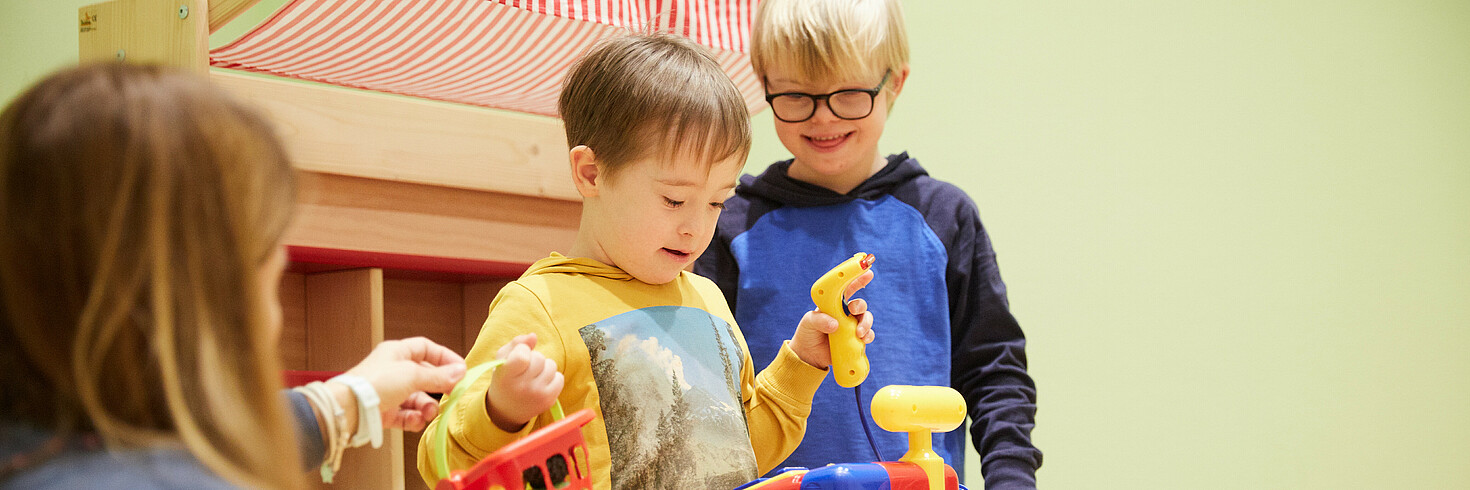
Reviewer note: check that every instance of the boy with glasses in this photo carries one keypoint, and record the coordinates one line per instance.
(831, 70)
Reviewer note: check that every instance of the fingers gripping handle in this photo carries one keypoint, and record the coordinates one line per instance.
(849, 362)
(439, 443)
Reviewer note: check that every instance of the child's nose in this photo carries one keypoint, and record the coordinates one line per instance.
(687, 225)
(694, 223)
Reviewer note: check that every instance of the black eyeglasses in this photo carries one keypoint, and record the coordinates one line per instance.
(853, 103)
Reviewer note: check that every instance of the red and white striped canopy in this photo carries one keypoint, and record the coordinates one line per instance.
(506, 54)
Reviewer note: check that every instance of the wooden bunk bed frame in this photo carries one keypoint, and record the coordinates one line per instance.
(413, 213)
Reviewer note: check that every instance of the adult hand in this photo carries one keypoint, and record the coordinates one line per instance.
(404, 372)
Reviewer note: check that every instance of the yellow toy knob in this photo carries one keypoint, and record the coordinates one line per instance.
(849, 362)
(919, 411)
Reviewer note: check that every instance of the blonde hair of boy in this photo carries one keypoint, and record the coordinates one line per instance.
(829, 40)
(139, 208)
(635, 94)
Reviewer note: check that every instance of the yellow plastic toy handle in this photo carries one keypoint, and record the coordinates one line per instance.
(920, 411)
(439, 444)
(849, 360)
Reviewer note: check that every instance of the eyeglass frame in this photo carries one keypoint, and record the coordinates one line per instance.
(825, 99)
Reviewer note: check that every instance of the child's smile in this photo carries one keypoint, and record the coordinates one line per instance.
(831, 151)
(827, 143)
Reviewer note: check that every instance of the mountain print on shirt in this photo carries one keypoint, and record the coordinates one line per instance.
(669, 382)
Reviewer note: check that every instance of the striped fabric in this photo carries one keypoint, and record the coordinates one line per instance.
(506, 54)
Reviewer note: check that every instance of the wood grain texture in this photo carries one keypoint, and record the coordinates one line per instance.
(368, 134)
(145, 32)
(477, 298)
(344, 320)
(221, 12)
(344, 317)
(411, 478)
(424, 308)
(292, 293)
(350, 213)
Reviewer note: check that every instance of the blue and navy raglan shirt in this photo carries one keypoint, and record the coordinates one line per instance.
(940, 308)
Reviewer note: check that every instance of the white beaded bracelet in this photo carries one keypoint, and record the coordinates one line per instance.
(317, 394)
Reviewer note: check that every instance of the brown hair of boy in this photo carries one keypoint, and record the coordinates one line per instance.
(636, 94)
(139, 206)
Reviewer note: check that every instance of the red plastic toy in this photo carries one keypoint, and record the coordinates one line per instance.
(554, 456)
(557, 450)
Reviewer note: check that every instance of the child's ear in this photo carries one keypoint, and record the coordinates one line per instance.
(896, 81)
(584, 171)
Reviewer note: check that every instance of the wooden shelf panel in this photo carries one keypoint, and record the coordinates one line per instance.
(477, 298)
(293, 319)
(425, 308)
(344, 317)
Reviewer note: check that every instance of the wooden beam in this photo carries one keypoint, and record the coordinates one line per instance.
(353, 213)
(168, 32)
(369, 134)
(221, 12)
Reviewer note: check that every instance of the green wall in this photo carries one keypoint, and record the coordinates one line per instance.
(1236, 233)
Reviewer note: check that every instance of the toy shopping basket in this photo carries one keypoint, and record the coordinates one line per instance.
(552, 457)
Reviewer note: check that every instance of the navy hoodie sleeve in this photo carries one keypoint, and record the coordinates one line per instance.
(989, 351)
(990, 358)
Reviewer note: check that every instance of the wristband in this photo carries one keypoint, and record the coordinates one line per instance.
(369, 419)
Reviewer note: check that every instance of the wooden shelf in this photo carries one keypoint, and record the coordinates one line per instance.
(333, 315)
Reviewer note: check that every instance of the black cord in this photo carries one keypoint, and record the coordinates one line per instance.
(863, 417)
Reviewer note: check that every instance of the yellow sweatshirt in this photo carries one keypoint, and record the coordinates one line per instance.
(664, 366)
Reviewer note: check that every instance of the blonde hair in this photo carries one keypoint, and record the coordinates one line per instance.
(139, 206)
(635, 94)
(829, 40)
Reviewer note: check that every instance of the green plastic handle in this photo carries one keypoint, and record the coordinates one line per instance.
(439, 440)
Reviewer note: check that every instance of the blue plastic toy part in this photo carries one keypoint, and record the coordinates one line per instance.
(851, 476)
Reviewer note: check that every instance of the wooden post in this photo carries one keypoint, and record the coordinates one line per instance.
(168, 32)
(293, 321)
(344, 320)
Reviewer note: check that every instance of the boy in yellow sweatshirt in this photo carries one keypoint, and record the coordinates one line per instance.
(658, 135)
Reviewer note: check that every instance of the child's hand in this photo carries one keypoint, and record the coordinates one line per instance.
(526, 385)
(810, 340)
